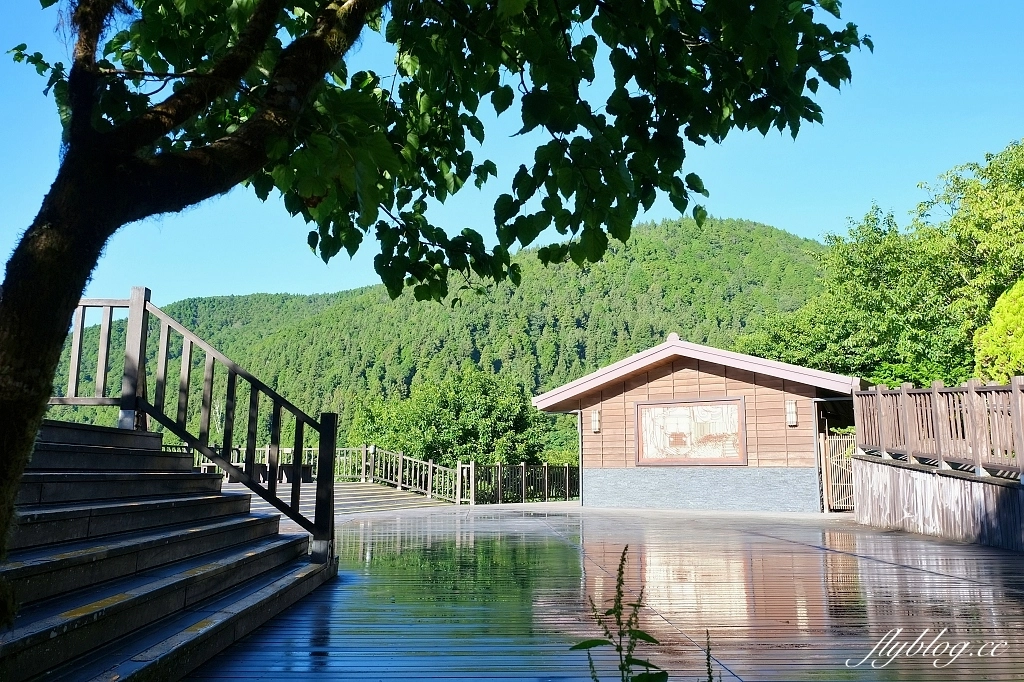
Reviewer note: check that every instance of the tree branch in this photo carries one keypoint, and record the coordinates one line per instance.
(174, 180)
(88, 19)
(198, 94)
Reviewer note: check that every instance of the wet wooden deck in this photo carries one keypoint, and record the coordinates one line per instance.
(500, 593)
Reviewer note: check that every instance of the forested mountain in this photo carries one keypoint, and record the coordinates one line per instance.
(707, 283)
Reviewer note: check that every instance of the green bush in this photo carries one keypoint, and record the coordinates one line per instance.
(999, 345)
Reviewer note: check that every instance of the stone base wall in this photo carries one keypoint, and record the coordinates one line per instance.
(763, 489)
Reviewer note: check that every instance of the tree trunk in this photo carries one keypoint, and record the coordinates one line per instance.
(45, 278)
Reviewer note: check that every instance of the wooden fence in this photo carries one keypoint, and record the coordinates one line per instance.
(467, 483)
(138, 407)
(976, 428)
(471, 483)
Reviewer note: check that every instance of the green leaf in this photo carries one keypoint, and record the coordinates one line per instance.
(590, 644)
(694, 182)
(700, 214)
(643, 636)
(510, 8)
(831, 6)
(504, 209)
(47, 3)
(502, 98)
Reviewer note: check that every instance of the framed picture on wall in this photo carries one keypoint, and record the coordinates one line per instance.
(698, 431)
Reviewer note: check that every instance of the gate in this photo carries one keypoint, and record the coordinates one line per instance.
(836, 471)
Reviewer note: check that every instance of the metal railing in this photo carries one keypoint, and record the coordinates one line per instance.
(136, 409)
(504, 483)
(973, 427)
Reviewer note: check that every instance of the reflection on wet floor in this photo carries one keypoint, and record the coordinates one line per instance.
(489, 593)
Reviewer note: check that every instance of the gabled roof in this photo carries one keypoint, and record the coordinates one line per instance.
(675, 348)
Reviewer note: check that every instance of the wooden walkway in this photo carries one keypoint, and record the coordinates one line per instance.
(349, 498)
(500, 593)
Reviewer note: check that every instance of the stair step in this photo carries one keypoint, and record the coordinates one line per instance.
(50, 524)
(40, 573)
(59, 630)
(172, 648)
(53, 487)
(53, 431)
(68, 457)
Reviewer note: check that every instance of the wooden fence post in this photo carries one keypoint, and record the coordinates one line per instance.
(826, 483)
(859, 427)
(323, 515)
(472, 482)
(458, 482)
(362, 471)
(566, 481)
(373, 461)
(882, 440)
(909, 426)
(1017, 414)
(940, 423)
(401, 468)
(133, 380)
(974, 427)
(430, 478)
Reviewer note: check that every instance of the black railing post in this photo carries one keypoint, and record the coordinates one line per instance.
(498, 479)
(323, 519)
(134, 378)
(522, 471)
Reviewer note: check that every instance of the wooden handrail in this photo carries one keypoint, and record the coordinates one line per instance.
(136, 408)
(976, 428)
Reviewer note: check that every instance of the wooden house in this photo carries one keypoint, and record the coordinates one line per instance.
(682, 425)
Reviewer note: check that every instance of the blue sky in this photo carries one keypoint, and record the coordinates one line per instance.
(942, 88)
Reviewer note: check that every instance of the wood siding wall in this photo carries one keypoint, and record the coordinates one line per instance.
(770, 443)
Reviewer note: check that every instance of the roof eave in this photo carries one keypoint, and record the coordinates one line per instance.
(674, 348)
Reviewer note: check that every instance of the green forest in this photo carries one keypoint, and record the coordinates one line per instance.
(350, 350)
(931, 300)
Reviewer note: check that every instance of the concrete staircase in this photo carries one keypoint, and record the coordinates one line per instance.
(127, 565)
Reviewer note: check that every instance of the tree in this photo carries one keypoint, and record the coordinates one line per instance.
(885, 313)
(999, 345)
(904, 305)
(260, 95)
(470, 416)
(984, 209)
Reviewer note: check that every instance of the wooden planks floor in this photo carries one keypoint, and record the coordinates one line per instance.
(449, 593)
(349, 498)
